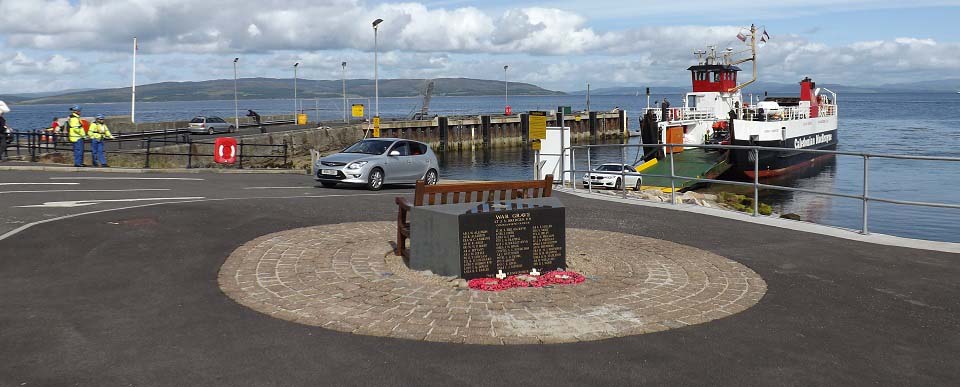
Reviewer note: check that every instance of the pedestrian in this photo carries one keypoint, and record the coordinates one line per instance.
(50, 131)
(98, 133)
(76, 135)
(254, 115)
(664, 110)
(256, 118)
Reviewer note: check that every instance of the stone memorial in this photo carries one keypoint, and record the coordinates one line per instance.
(473, 240)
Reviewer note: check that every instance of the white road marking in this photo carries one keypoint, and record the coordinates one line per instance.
(39, 222)
(39, 183)
(80, 203)
(126, 178)
(306, 187)
(90, 190)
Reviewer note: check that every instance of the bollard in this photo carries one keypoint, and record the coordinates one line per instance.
(284, 152)
(189, 152)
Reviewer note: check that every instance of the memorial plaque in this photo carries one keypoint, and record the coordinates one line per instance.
(512, 237)
(473, 240)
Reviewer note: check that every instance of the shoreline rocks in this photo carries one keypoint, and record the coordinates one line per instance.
(723, 200)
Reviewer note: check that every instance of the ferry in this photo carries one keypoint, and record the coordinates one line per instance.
(715, 112)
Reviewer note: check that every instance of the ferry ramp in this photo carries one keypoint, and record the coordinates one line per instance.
(698, 163)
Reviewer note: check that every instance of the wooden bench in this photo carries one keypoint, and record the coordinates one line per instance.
(485, 192)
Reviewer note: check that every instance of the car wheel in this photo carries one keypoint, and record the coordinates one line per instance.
(328, 184)
(375, 180)
(617, 184)
(231, 129)
(431, 177)
(636, 187)
(210, 130)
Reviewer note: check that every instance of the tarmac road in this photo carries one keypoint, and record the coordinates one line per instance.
(130, 296)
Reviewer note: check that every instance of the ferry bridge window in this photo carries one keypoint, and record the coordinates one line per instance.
(716, 76)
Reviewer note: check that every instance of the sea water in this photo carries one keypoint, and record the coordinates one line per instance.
(926, 124)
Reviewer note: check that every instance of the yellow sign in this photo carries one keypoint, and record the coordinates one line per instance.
(576, 118)
(376, 126)
(357, 110)
(535, 144)
(538, 126)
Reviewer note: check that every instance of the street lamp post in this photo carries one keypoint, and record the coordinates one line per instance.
(236, 106)
(506, 103)
(343, 78)
(295, 110)
(376, 75)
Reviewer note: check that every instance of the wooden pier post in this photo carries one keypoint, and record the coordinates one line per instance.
(485, 130)
(592, 124)
(443, 127)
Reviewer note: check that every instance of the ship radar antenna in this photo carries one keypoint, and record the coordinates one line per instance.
(699, 54)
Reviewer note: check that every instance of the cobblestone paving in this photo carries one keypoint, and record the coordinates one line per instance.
(344, 277)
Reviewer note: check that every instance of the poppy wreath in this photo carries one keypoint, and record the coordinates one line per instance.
(557, 277)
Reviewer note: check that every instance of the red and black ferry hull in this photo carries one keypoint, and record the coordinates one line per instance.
(777, 163)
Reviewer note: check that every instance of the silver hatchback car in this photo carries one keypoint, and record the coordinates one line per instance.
(374, 162)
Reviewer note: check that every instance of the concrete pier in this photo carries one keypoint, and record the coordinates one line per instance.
(449, 133)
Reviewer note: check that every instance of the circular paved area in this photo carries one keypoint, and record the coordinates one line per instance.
(344, 277)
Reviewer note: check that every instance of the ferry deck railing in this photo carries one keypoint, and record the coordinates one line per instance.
(785, 113)
(864, 197)
(681, 113)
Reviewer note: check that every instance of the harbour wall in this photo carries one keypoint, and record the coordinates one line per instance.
(122, 124)
(452, 133)
(441, 133)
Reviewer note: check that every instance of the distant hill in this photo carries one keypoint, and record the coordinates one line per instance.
(267, 88)
(11, 98)
(938, 86)
(943, 85)
(632, 90)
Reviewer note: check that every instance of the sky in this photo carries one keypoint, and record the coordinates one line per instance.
(50, 45)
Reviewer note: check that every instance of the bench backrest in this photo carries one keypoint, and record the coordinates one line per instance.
(481, 192)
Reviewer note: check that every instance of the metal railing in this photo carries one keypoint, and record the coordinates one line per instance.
(681, 113)
(784, 113)
(864, 197)
(34, 145)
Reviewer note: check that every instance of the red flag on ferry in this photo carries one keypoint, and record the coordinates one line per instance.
(741, 36)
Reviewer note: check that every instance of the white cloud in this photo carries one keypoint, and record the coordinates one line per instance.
(253, 30)
(21, 64)
(556, 47)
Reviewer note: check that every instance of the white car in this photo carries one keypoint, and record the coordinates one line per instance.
(608, 176)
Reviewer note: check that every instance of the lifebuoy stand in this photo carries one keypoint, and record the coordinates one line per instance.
(225, 150)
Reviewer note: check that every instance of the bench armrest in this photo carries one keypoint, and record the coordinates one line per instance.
(403, 203)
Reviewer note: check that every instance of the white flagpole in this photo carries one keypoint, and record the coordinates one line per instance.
(133, 87)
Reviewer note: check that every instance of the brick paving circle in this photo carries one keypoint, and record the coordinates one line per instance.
(344, 277)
